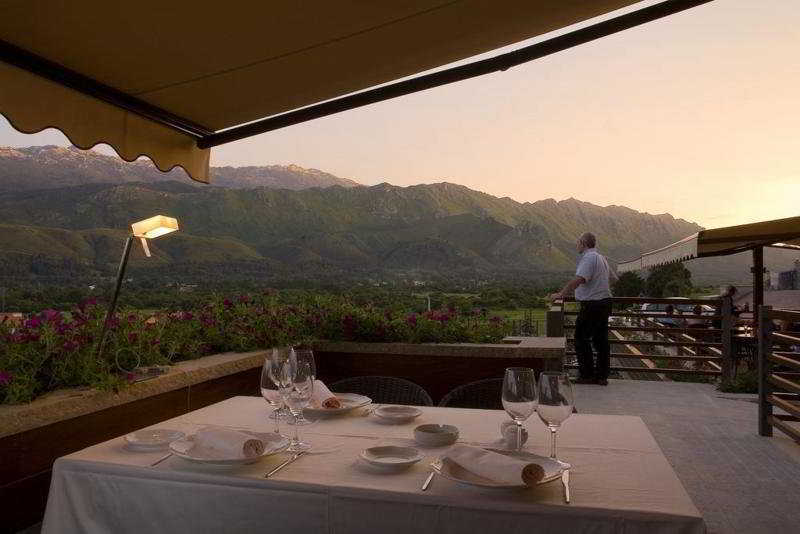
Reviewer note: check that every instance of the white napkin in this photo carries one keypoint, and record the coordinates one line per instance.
(508, 431)
(323, 397)
(225, 443)
(496, 467)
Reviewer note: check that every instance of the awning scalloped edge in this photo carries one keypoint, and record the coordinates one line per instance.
(32, 104)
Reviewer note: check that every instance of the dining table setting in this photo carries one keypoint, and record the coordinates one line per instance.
(305, 459)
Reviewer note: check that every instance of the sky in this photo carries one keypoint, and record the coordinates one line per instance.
(697, 115)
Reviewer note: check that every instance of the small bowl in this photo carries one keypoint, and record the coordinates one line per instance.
(397, 414)
(433, 435)
(391, 457)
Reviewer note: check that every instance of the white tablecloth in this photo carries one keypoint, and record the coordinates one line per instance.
(621, 483)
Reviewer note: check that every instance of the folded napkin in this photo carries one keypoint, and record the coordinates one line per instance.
(508, 431)
(495, 467)
(225, 443)
(323, 397)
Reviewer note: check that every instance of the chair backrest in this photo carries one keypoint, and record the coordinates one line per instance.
(384, 390)
(484, 394)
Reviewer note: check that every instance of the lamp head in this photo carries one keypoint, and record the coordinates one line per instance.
(152, 228)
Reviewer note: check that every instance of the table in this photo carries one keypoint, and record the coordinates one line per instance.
(621, 482)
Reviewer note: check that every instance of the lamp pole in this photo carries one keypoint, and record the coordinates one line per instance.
(113, 307)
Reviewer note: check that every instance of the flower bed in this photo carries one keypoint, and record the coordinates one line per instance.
(54, 350)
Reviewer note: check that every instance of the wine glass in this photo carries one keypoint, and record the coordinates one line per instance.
(296, 398)
(279, 371)
(556, 399)
(299, 357)
(271, 393)
(519, 396)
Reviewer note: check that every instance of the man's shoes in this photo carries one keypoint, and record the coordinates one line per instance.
(585, 381)
(601, 381)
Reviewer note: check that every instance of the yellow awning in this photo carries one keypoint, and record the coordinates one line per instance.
(779, 233)
(210, 66)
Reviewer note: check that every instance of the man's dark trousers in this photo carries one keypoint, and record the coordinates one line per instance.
(591, 328)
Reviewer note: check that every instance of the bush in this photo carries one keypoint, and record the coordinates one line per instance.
(54, 349)
(745, 382)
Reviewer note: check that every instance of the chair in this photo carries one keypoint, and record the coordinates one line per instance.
(483, 394)
(384, 390)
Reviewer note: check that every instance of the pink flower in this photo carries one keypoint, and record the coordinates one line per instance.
(244, 299)
(5, 378)
(53, 316)
(33, 322)
(227, 303)
(412, 319)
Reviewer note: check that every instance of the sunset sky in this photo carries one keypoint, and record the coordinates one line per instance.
(697, 115)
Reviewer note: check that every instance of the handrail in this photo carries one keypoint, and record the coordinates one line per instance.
(647, 300)
(656, 315)
(771, 377)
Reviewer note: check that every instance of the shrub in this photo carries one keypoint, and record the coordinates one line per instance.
(53, 349)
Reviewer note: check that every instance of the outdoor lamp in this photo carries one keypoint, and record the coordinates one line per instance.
(143, 230)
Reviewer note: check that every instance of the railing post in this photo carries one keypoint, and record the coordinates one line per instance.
(555, 319)
(728, 361)
(764, 388)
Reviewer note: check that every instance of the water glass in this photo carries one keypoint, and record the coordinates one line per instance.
(556, 400)
(300, 357)
(271, 393)
(519, 396)
(296, 398)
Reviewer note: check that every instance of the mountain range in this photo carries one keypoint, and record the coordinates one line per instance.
(66, 211)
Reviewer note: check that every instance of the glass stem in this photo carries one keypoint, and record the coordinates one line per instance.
(296, 438)
(277, 414)
(519, 435)
(553, 442)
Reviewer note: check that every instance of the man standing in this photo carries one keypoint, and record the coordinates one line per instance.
(591, 286)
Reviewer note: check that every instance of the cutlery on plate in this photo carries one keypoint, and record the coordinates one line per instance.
(284, 464)
(160, 460)
(565, 481)
(428, 481)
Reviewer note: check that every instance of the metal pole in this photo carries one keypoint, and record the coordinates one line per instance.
(123, 262)
(728, 359)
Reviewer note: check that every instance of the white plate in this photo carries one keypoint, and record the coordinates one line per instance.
(397, 414)
(153, 439)
(391, 457)
(184, 448)
(350, 401)
(452, 471)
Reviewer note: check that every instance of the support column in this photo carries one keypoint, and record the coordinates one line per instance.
(758, 282)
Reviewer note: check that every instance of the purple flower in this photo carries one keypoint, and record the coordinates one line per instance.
(227, 303)
(88, 303)
(52, 316)
(187, 316)
(33, 322)
(71, 345)
(412, 319)
(155, 342)
(244, 299)
(5, 378)
(495, 319)
(132, 318)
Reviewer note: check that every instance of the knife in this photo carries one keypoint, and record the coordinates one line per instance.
(284, 464)
(428, 481)
(565, 481)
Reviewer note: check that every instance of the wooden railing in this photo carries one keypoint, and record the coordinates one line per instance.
(697, 351)
(778, 366)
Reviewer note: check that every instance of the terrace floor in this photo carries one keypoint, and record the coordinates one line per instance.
(741, 482)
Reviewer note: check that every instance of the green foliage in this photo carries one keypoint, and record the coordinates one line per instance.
(671, 280)
(745, 382)
(629, 284)
(54, 349)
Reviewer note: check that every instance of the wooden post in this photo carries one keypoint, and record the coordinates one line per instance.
(555, 319)
(758, 282)
(726, 311)
(764, 388)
